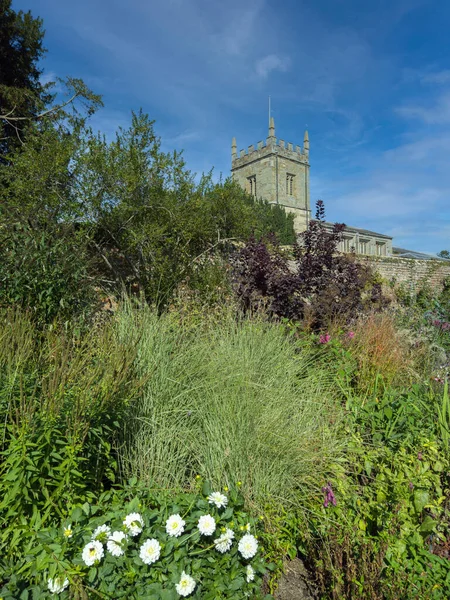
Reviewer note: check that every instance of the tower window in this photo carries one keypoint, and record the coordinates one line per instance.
(252, 185)
(289, 184)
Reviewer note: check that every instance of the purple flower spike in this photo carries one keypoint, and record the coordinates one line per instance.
(329, 496)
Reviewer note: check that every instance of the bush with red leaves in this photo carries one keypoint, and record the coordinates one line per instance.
(320, 286)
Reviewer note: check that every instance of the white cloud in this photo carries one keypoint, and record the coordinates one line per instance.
(437, 114)
(439, 77)
(271, 62)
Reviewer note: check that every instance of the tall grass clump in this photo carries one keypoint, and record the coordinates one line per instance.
(232, 400)
(63, 398)
(383, 353)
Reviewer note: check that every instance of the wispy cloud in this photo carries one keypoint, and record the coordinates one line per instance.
(437, 113)
(271, 62)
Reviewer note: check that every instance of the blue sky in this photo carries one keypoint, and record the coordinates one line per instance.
(371, 80)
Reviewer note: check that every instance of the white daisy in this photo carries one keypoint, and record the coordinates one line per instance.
(220, 500)
(150, 551)
(56, 586)
(248, 546)
(249, 571)
(134, 523)
(206, 525)
(102, 533)
(68, 533)
(186, 585)
(92, 553)
(116, 543)
(175, 525)
(224, 542)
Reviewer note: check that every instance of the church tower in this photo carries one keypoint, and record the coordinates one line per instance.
(277, 173)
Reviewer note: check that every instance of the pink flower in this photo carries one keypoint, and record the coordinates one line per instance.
(351, 335)
(324, 339)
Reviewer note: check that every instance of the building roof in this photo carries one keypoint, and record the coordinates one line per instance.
(363, 231)
(403, 253)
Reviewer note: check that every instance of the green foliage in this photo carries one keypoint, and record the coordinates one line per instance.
(45, 271)
(390, 520)
(149, 210)
(62, 402)
(231, 400)
(21, 91)
(56, 552)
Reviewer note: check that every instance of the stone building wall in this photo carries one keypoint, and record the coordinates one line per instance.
(277, 172)
(412, 272)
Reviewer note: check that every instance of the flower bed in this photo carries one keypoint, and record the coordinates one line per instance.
(147, 545)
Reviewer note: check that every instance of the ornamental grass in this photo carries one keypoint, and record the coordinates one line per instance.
(233, 400)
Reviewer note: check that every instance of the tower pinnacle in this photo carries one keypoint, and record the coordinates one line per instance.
(306, 143)
(233, 148)
(271, 127)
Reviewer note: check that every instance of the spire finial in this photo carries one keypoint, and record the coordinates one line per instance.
(233, 148)
(306, 143)
(271, 127)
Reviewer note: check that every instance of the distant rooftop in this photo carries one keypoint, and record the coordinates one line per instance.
(403, 253)
(363, 231)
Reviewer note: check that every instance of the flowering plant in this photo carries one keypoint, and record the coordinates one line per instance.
(139, 544)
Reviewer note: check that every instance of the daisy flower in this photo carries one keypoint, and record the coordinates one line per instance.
(116, 543)
(224, 542)
(102, 533)
(150, 551)
(175, 525)
(56, 586)
(186, 585)
(248, 546)
(250, 573)
(220, 500)
(134, 523)
(206, 525)
(92, 553)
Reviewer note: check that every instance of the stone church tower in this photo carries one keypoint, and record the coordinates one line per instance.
(277, 172)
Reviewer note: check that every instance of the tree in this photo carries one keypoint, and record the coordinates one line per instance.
(444, 254)
(21, 91)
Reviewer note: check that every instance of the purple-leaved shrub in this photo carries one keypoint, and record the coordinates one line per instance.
(319, 286)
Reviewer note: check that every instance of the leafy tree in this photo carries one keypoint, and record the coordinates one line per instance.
(155, 225)
(444, 254)
(44, 235)
(21, 92)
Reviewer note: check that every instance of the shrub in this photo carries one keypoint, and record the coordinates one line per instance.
(144, 543)
(324, 286)
(45, 271)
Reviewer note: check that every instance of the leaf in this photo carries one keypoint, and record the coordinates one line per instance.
(420, 500)
(237, 584)
(428, 525)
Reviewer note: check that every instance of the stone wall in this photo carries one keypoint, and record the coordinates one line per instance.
(409, 271)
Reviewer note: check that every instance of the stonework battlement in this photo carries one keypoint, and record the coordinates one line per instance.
(270, 146)
(277, 172)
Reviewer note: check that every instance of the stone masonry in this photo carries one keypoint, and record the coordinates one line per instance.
(279, 173)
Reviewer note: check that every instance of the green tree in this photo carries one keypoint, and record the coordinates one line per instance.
(44, 234)
(21, 92)
(444, 254)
